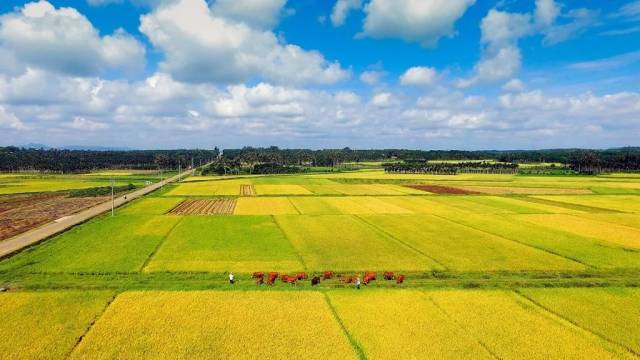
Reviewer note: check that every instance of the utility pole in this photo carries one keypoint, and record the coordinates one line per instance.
(112, 199)
(179, 171)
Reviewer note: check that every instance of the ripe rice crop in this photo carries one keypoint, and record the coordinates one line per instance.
(365, 205)
(386, 324)
(462, 248)
(281, 190)
(46, 325)
(441, 189)
(20, 185)
(513, 327)
(626, 203)
(151, 206)
(425, 205)
(586, 250)
(106, 244)
(632, 220)
(205, 207)
(503, 190)
(613, 313)
(345, 243)
(314, 205)
(205, 188)
(518, 205)
(238, 244)
(615, 234)
(216, 325)
(264, 206)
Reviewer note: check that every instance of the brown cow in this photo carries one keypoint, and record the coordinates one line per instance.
(284, 278)
(257, 275)
(366, 280)
(302, 276)
(315, 281)
(259, 281)
(292, 280)
(348, 279)
(388, 275)
(371, 275)
(400, 279)
(328, 275)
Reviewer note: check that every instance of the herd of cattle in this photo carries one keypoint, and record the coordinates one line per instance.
(368, 277)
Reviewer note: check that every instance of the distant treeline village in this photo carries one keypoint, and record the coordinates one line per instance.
(273, 160)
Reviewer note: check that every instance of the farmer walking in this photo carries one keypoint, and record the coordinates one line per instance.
(232, 278)
(358, 283)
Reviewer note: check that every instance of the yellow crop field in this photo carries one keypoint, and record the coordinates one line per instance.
(460, 247)
(46, 325)
(626, 203)
(151, 206)
(364, 205)
(264, 206)
(399, 324)
(426, 205)
(216, 325)
(346, 243)
(204, 188)
(314, 205)
(616, 234)
(521, 205)
(632, 220)
(281, 190)
(504, 190)
(513, 327)
(613, 313)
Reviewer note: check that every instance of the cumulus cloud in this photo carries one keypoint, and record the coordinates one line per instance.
(514, 85)
(347, 98)
(64, 41)
(80, 123)
(261, 100)
(262, 14)
(419, 76)
(372, 77)
(200, 46)
(420, 21)
(383, 100)
(9, 120)
(342, 8)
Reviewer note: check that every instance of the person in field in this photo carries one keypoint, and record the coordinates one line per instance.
(232, 279)
(358, 283)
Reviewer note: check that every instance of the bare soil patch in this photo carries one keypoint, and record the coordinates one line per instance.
(440, 189)
(205, 207)
(20, 213)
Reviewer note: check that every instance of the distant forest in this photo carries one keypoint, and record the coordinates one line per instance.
(72, 161)
(276, 160)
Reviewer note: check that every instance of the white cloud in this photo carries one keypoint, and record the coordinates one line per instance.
(514, 85)
(421, 21)
(419, 75)
(342, 8)
(500, 66)
(347, 98)
(546, 12)
(200, 46)
(9, 120)
(262, 14)
(80, 123)
(383, 100)
(64, 41)
(372, 77)
(261, 100)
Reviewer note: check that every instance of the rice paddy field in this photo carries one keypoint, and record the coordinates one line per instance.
(508, 267)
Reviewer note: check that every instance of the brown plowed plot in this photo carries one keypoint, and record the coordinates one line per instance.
(20, 213)
(440, 189)
(247, 190)
(205, 207)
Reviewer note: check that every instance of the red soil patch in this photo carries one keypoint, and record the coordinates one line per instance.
(205, 207)
(19, 213)
(440, 189)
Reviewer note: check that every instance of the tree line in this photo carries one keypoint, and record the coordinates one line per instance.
(71, 161)
(423, 167)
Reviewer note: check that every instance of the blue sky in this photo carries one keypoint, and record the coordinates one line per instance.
(430, 74)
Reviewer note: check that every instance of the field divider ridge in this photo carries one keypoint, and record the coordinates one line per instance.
(519, 242)
(162, 241)
(295, 250)
(354, 343)
(387, 234)
(574, 323)
(92, 323)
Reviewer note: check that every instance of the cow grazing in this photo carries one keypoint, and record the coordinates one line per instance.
(292, 280)
(400, 279)
(348, 279)
(371, 275)
(258, 275)
(302, 276)
(388, 275)
(315, 280)
(284, 278)
(366, 280)
(260, 281)
(328, 275)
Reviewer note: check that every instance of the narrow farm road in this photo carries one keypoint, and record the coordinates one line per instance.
(34, 236)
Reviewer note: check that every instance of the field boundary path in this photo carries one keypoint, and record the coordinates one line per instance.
(34, 236)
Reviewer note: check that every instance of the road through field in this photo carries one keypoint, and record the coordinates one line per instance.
(36, 235)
